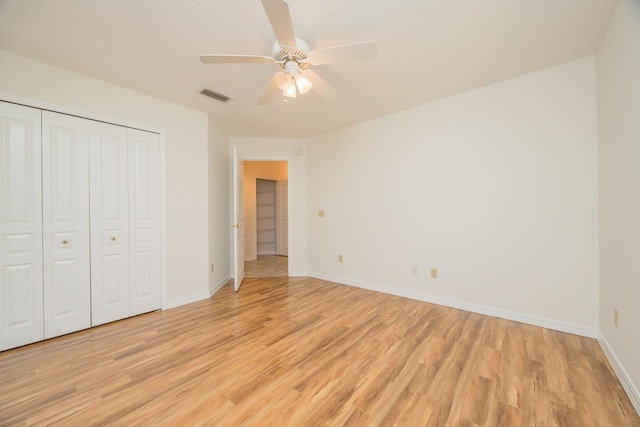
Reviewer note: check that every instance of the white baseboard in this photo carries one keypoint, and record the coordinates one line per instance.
(625, 379)
(544, 322)
(215, 288)
(187, 300)
(298, 274)
(198, 297)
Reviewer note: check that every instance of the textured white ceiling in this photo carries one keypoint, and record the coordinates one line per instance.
(427, 49)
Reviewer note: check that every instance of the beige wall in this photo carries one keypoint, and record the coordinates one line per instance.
(185, 133)
(618, 70)
(496, 187)
(275, 171)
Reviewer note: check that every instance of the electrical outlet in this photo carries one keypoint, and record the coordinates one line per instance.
(615, 317)
(339, 258)
(414, 269)
(434, 273)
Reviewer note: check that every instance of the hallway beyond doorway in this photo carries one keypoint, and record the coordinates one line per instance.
(267, 266)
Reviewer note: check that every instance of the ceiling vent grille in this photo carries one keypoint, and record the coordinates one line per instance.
(215, 95)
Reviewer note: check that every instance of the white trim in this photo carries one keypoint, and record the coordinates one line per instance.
(187, 300)
(258, 158)
(163, 220)
(43, 105)
(299, 274)
(621, 373)
(290, 185)
(544, 322)
(215, 288)
(200, 296)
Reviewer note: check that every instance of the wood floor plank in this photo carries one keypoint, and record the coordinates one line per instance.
(305, 352)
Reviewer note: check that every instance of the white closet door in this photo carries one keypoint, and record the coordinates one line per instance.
(21, 320)
(65, 189)
(144, 221)
(109, 209)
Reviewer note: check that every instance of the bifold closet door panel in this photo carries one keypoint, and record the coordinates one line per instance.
(144, 221)
(21, 319)
(108, 170)
(65, 210)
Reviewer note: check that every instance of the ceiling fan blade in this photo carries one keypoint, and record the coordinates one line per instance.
(270, 91)
(349, 52)
(235, 59)
(320, 86)
(280, 19)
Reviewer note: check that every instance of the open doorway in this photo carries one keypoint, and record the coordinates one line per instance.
(266, 218)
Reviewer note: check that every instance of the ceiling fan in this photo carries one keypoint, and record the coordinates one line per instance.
(293, 56)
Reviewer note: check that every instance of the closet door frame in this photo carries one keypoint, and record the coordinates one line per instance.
(43, 105)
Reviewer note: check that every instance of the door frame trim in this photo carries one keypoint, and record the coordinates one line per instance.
(261, 158)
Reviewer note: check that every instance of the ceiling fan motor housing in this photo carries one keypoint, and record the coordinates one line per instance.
(292, 67)
(284, 54)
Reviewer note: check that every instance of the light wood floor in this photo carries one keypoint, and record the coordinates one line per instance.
(267, 266)
(304, 352)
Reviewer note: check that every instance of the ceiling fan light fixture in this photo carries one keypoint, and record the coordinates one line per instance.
(283, 80)
(303, 83)
(290, 92)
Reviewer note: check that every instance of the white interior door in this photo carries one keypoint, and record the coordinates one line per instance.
(238, 217)
(65, 186)
(144, 221)
(108, 155)
(21, 306)
(282, 218)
